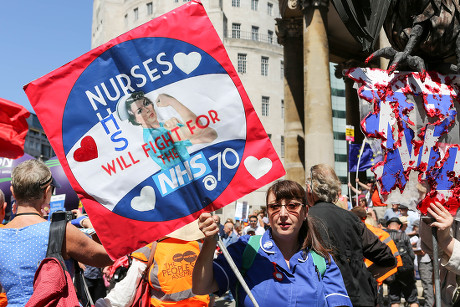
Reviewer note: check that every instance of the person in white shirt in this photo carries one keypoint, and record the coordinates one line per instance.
(253, 223)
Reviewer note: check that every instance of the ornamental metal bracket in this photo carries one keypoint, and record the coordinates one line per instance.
(308, 4)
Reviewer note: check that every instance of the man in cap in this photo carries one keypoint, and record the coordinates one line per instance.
(411, 218)
(251, 231)
(403, 220)
(404, 282)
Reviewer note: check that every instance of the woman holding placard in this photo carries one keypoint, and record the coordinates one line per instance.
(291, 266)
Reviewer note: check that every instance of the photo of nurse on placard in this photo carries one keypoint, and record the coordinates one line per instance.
(168, 140)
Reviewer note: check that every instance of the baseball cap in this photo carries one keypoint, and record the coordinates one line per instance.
(394, 220)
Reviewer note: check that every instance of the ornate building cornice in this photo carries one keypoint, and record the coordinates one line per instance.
(288, 28)
(293, 4)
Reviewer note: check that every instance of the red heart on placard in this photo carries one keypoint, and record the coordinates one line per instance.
(87, 151)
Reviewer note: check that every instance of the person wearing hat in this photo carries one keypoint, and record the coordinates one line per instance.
(167, 141)
(403, 220)
(24, 240)
(396, 220)
(251, 231)
(411, 218)
(404, 283)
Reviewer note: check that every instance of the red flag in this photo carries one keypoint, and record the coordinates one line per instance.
(13, 129)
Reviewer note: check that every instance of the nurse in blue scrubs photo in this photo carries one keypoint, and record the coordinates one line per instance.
(167, 141)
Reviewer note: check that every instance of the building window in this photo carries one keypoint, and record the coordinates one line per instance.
(270, 37)
(282, 108)
(265, 106)
(281, 69)
(236, 27)
(282, 146)
(176, 1)
(264, 66)
(149, 8)
(254, 5)
(126, 20)
(241, 63)
(255, 33)
(338, 92)
(236, 3)
(270, 8)
(269, 136)
(136, 13)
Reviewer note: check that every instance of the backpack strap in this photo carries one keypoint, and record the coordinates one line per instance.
(58, 225)
(319, 262)
(145, 274)
(153, 248)
(249, 253)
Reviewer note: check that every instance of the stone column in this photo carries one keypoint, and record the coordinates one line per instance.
(319, 136)
(289, 32)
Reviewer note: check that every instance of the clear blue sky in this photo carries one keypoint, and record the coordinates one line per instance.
(38, 36)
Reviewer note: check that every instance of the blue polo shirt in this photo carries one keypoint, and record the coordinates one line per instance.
(301, 284)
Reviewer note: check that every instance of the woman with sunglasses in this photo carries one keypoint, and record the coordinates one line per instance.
(166, 141)
(283, 272)
(24, 240)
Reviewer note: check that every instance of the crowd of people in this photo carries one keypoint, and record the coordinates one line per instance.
(304, 248)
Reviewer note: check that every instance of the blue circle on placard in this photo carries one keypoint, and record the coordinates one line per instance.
(116, 72)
